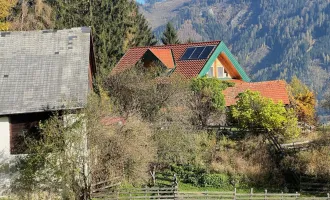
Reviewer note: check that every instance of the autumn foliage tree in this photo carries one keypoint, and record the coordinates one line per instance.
(5, 10)
(32, 15)
(303, 101)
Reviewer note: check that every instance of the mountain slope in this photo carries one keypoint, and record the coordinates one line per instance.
(272, 39)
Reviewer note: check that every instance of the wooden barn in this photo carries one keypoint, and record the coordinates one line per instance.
(41, 72)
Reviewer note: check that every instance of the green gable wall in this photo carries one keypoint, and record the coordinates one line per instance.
(223, 48)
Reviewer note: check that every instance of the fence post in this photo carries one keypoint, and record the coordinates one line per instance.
(251, 194)
(175, 180)
(145, 192)
(266, 194)
(296, 195)
(282, 196)
(235, 191)
(328, 196)
(158, 193)
(175, 191)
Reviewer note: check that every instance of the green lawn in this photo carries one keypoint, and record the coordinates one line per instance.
(183, 187)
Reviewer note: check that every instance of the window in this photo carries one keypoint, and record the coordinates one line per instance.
(210, 73)
(226, 74)
(220, 70)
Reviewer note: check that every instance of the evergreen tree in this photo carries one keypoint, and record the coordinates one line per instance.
(170, 36)
(116, 25)
(190, 40)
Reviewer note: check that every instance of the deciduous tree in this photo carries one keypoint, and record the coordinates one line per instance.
(303, 101)
(32, 15)
(140, 90)
(5, 10)
(81, 149)
(208, 98)
(254, 111)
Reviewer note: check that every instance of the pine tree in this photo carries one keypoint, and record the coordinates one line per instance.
(116, 26)
(170, 36)
(190, 40)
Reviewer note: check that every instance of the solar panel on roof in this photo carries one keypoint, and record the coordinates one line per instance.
(197, 53)
(194, 53)
(205, 54)
(188, 53)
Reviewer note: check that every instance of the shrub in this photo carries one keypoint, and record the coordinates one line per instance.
(254, 111)
(216, 180)
(208, 98)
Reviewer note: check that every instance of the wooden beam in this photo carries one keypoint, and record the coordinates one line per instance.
(229, 67)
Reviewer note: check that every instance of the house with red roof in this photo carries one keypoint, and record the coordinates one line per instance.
(212, 59)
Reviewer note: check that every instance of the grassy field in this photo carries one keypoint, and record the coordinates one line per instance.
(190, 188)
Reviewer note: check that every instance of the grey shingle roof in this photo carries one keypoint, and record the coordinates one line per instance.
(44, 70)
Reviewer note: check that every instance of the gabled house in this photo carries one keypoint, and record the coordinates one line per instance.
(212, 59)
(190, 60)
(41, 72)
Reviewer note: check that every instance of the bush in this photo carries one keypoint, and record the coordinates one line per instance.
(200, 177)
(189, 174)
(254, 111)
(208, 98)
(216, 180)
(315, 162)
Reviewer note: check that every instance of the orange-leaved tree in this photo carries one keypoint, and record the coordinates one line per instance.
(5, 8)
(303, 100)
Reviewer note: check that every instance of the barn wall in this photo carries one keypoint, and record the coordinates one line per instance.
(23, 126)
(4, 136)
(4, 154)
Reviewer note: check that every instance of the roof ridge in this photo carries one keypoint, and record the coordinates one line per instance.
(267, 81)
(171, 45)
(82, 28)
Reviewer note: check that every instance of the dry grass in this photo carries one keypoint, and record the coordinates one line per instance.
(249, 158)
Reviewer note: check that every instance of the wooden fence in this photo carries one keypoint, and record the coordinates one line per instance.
(173, 193)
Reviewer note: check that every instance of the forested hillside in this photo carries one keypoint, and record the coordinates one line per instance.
(272, 38)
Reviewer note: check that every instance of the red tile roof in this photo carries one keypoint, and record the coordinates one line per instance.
(188, 68)
(275, 90)
(165, 56)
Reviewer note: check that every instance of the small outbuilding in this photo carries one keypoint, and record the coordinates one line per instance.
(41, 72)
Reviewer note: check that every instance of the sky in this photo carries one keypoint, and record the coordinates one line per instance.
(140, 1)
